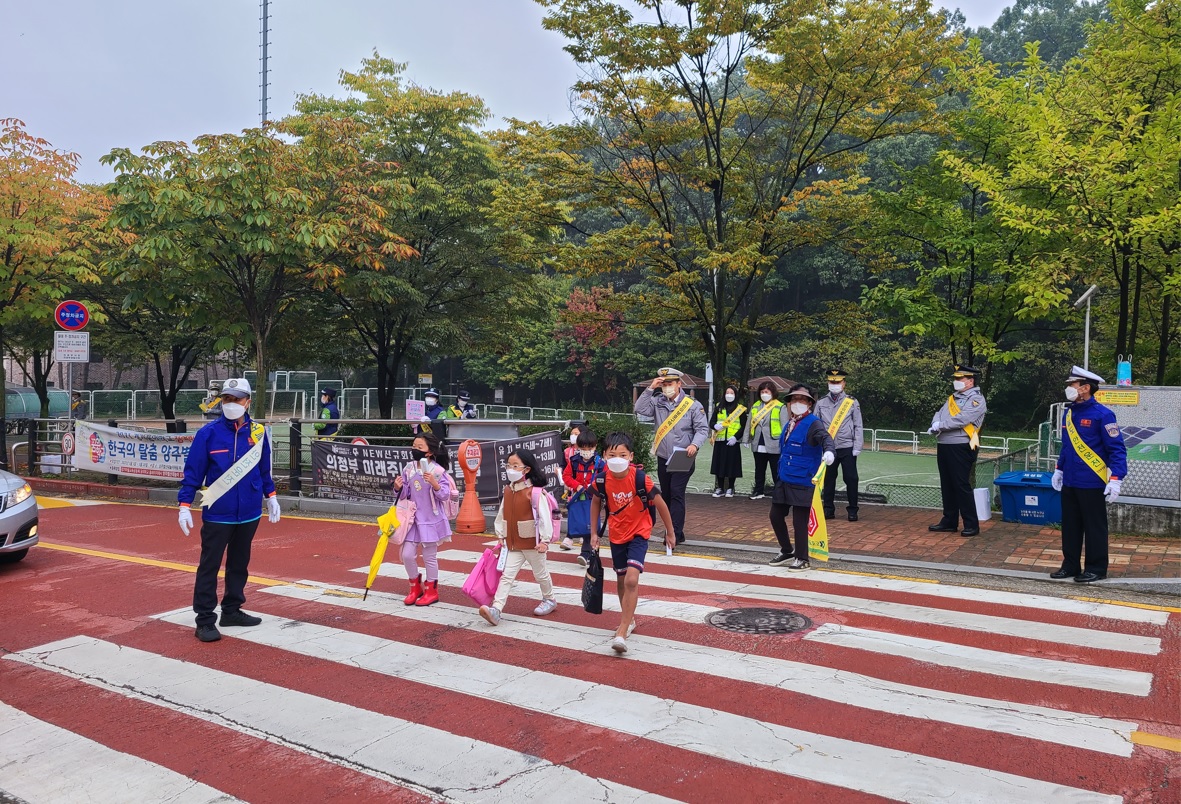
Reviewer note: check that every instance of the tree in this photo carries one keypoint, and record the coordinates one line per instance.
(1059, 27)
(723, 136)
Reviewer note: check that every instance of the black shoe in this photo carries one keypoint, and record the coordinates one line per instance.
(941, 528)
(852, 517)
(1061, 575)
(970, 532)
(208, 633)
(238, 617)
(829, 514)
(680, 540)
(1088, 577)
(781, 559)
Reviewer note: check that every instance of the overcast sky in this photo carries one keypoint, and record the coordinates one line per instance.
(91, 76)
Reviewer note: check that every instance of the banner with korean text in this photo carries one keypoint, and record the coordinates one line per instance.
(133, 453)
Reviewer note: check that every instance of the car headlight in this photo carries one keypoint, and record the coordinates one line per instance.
(19, 495)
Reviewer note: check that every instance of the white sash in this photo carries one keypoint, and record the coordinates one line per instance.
(232, 475)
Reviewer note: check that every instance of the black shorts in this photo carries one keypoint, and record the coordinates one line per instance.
(629, 554)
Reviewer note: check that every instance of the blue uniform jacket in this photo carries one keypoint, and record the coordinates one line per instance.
(333, 413)
(1097, 428)
(216, 447)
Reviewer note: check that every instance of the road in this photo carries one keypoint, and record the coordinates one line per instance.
(895, 689)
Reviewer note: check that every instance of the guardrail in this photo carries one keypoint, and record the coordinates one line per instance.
(906, 437)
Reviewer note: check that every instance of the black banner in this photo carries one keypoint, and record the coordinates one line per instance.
(366, 473)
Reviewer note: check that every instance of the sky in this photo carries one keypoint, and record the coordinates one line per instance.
(91, 76)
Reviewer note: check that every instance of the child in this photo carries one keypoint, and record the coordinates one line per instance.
(629, 525)
(729, 419)
(579, 477)
(430, 489)
(525, 531)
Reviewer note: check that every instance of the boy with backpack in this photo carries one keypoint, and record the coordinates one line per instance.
(579, 477)
(629, 500)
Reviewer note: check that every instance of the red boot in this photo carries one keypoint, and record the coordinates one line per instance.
(430, 594)
(415, 591)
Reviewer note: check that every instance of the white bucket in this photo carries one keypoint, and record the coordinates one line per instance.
(983, 504)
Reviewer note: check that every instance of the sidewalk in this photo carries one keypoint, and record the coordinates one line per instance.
(889, 532)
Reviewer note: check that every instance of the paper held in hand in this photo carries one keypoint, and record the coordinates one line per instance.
(679, 461)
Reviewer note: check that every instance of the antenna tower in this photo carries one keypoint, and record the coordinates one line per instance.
(265, 72)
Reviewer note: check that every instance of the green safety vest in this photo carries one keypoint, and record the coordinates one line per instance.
(773, 413)
(733, 429)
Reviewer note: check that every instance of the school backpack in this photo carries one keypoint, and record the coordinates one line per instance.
(555, 512)
(452, 504)
(641, 495)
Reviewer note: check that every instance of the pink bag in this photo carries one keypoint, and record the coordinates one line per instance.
(481, 585)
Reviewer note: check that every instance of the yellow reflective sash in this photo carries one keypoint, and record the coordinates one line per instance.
(972, 430)
(678, 413)
(838, 418)
(729, 420)
(1088, 455)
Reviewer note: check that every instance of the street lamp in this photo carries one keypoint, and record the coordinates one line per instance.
(1086, 297)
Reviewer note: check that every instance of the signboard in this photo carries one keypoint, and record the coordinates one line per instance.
(71, 347)
(415, 409)
(112, 450)
(1108, 396)
(426, 379)
(361, 441)
(71, 315)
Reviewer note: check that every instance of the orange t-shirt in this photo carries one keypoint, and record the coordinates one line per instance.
(632, 519)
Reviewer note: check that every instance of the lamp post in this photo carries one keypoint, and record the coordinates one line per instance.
(1086, 297)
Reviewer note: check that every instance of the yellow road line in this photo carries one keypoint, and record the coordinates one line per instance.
(1157, 741)
(1149, 606)
(879, 575)
(152, 562)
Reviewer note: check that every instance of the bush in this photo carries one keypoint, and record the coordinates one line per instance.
(640, 433)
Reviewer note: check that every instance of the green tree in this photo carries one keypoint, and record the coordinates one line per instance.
(1059, 27)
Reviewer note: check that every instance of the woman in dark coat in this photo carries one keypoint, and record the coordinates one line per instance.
(804, 444)
(728, 424)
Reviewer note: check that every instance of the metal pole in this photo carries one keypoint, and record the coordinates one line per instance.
(1087, 338)
(266, 19)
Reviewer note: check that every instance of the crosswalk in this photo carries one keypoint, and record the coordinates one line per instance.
(900, 690)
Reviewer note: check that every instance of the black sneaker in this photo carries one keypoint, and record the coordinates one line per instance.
(239, 617)
(208, 633)
(799, 564)
(758, 495)
(780, 559)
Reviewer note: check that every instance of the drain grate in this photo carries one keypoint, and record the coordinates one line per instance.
(759, 621)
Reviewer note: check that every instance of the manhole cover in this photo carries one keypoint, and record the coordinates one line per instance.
(759, 621)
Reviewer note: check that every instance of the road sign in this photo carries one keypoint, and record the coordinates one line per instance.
(361, 441)
(71, 315)
(71, 347)
(425, 379)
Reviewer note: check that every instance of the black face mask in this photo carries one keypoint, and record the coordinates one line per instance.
(417, 454)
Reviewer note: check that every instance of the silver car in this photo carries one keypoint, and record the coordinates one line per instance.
(18, 517)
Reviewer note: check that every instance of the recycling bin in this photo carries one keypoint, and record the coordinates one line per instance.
(1029, 497)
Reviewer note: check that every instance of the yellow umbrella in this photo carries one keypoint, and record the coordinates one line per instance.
(386, 524)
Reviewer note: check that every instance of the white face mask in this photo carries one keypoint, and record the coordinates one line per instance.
(729, 397)
(959, 385)
(1071, 393)
(765, 396)
(799, 408)
(514, 475)
(586, 454)
(431, 400)
(233, 411)
(618, 464)
(835, 389)
(670, 391)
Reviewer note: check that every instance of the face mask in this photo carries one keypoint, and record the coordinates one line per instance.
(462, 404)
(1071, 393)
(799, 408)
(835, 389)
(233, 411)
(586, 454)
(766, 397)
(514, 475)
(432, 400)
(729, 397)
(670, 391)
(959, 385)
(618, 464)
(417, 454)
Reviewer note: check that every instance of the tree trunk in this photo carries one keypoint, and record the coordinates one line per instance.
(3, 406)
(260, 380)
(1124, 278)
(385, 394)
(1135, 309)
(1162, 355)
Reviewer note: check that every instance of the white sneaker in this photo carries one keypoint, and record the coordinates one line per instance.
(619, 645)
(566, 543)
(582, 562)
(717, 492)
(490, 614)
(729, 492)
(799, 564)
(545, 607)
(631, 627)
(758, 496)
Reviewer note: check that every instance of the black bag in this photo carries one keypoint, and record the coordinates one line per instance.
(592, 585)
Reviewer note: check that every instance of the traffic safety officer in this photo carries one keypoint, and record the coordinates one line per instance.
(841, 416)
(957, 430)
(1090, 470)
(434, 420)
(329, 411)
(232, 456)
(680, 424)
(462, 409)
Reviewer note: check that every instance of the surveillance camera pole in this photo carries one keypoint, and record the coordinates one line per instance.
(1086, 297)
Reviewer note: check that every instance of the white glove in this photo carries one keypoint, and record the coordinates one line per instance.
(856, 452)
(828, 458)
(185, 520)
(1111, 491)
(273, 509)
(425, 419)
(731, 441)
(1056, 480)
(935, 427)
(719, 427)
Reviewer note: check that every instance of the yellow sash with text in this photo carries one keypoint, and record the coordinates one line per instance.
(678, 413)
(1088, 455)
(729, 420)
(972, 430)
(838, 418)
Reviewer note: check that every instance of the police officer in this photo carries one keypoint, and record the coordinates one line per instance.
(232, 503)
(957, 430)
(210, 406)
(79, 408)
(1090, 469)
(679, 423)
(329, 412)
(837, 407)
(434, 420)
(462, 409)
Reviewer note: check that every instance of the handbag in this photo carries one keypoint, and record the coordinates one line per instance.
(592, 585)
(406, 510)
(481, 585)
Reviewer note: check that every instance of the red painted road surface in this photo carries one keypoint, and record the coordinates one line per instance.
(898, 690)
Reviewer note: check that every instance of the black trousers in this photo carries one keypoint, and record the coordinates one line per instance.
(955, 463)
(799, 521)
(1084, 520)
(848, 467)
(232, 542)
(672, 487)
(762, 461)
(724, 483)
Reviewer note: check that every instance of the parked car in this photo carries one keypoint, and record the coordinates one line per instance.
(18, 517)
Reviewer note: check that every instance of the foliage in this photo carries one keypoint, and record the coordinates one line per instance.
(1059, 27)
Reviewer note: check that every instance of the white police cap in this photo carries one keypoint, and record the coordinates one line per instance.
(1078, 374)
